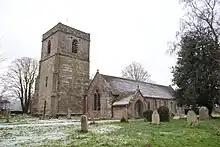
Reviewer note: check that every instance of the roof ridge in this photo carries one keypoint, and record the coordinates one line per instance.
(134, 80)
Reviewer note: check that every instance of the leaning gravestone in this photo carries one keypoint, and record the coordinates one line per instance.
(155, 118)
(203, 113)
(84, 123)
(192, 118)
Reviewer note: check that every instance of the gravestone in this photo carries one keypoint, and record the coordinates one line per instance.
(155, 118)
(84, 123)
(203, 113)
(192, 118)
(69, 114)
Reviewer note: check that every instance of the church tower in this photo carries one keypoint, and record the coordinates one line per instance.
(63, 72)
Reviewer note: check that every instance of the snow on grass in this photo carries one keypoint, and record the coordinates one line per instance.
(35, 132)
(31, 135)
(104, 128)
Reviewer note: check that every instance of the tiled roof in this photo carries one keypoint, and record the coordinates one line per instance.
(147, 89)
(123, 101)
(124, 98)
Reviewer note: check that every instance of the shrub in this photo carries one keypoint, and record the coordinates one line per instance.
(148, 115)
(164, 113)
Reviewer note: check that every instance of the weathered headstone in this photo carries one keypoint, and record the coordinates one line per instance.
(69, 114)
(203, 113)
(84, 123)
(192, 118)
(155, 117)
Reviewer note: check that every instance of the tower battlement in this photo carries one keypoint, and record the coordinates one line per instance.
(66, 29)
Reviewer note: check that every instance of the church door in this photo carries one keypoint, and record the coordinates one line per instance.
(139, 108)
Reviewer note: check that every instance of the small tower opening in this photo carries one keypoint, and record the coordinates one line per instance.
(48, 47)
(74, 46)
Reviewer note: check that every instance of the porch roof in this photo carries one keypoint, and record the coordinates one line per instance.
(123, 100)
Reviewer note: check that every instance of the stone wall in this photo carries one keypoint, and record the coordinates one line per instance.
(45, 90)
(156, 103)
(73, 81)
(119, 111)
(103, 87)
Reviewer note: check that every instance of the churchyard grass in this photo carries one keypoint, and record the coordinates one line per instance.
(140, 133)
(136, 133)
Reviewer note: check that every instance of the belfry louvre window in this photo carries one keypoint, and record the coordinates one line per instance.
(74, 46)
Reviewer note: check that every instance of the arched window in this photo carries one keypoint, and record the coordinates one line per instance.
(94, 103)
(48, 47)
(74, 46)
(97, 102)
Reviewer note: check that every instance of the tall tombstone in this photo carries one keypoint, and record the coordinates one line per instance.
(192, 118)
(84, 123)
(203, 113)
(155, 118)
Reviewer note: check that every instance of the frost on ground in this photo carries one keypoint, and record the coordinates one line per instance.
(31, 135)
(35, 132)
(104, 128)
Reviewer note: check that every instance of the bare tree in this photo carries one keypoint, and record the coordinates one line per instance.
(136, 72)
(19, 80)
(200, 15)
(1, 58)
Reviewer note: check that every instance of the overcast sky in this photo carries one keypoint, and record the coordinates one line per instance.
(121, 31)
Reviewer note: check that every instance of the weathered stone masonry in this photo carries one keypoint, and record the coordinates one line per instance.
(63, 74)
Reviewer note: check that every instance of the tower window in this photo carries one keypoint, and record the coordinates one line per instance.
(74, 46)
(48, 47)
(46, 81)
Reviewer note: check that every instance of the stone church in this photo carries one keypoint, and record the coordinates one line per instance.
(63, 83)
